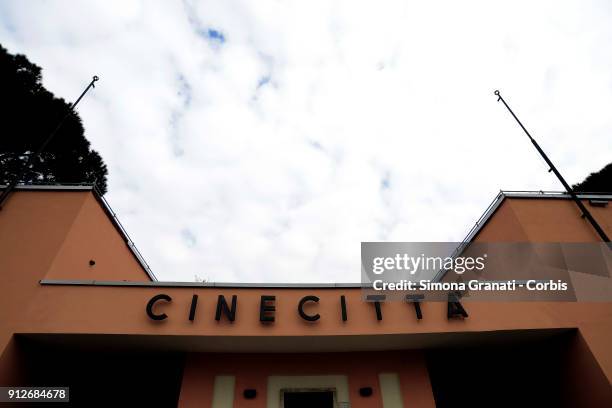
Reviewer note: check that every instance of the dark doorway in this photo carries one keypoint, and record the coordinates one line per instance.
(549, 371)
(101, 377)
(308, 399)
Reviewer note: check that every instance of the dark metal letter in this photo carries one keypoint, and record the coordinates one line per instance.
(192, 310)
(223, 307)
(343, 306)
(310, 318)
(455, 308)
(377, 299)
(416, 301)
(378, 310)
(264, 308)
(152, 302)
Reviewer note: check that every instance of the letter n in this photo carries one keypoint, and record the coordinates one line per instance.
(222, 307)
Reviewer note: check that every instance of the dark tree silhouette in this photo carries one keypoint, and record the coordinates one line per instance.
(29, 114)
(599, 182)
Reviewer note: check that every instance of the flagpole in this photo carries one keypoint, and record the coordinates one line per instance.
(585, 212)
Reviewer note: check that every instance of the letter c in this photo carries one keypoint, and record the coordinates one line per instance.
(152, 302)
(310, 318)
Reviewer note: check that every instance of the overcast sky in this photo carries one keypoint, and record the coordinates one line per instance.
(262, 141)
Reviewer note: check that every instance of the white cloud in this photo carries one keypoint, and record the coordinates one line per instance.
(313, 126)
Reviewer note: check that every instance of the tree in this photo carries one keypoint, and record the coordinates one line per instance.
(599, 182)
(29, 115)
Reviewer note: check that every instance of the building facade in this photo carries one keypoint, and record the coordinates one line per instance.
(81, 308)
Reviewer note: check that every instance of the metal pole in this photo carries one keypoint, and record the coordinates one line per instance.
(44, 144)
(585, 213)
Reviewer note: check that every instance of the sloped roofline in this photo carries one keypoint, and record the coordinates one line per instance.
(474, 231)
(501, 196)
(107, 209)
(497, 202)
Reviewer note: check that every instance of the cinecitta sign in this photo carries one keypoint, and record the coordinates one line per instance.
(267, 308)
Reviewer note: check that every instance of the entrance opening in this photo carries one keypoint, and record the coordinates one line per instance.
(308, 399)
(556, 370)
(100, 376)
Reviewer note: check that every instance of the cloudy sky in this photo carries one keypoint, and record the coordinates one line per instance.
(262, 141)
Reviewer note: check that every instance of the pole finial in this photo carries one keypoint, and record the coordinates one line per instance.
(498, 95)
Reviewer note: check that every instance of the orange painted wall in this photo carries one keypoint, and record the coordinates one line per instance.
(544, 220)
(52, 235)
(252, 370)
(121, 310)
